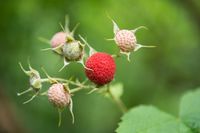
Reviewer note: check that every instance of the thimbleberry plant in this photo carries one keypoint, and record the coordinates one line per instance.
(126, 40)
(99, 68)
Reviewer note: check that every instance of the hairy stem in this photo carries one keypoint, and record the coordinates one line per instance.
(80, 86)
(76, 89)
(118, 102)
(59, 117)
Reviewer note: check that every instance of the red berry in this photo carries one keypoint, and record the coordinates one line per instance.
(58, 95)
(101, 68)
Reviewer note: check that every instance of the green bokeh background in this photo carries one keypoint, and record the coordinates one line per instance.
(156, 76)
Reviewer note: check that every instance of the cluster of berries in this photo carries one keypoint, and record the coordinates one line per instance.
(99, 67)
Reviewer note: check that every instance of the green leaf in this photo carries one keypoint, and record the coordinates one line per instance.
(190, 110)
(148, 119)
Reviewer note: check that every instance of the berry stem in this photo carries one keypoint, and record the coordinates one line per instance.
(68, 81)
(59, 117)
(45, 80)
(118, 101)
(76, 89)
(80, 86)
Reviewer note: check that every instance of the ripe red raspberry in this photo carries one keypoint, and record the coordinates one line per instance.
(126, 40)
(101, 68)
(58, 39)
(58, 95)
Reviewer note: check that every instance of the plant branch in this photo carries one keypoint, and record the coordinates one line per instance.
(80, 86)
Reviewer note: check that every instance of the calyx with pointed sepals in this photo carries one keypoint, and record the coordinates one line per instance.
(34, 80)
(73, 51)
(126, 40)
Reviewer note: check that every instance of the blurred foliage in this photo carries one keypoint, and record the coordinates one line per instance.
(154, 76)
(190, 111)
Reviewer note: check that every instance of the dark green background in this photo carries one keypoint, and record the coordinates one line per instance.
(156, 76)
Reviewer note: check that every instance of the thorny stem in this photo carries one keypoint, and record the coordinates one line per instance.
(118, 101)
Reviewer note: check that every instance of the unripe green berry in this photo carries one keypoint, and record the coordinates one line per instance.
(72, 51)
(35, 80)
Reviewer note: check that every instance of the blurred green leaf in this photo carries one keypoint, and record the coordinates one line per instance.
(148, 119)
(190, 110)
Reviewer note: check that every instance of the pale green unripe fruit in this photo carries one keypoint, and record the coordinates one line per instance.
(35, 79)
(72, 51)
